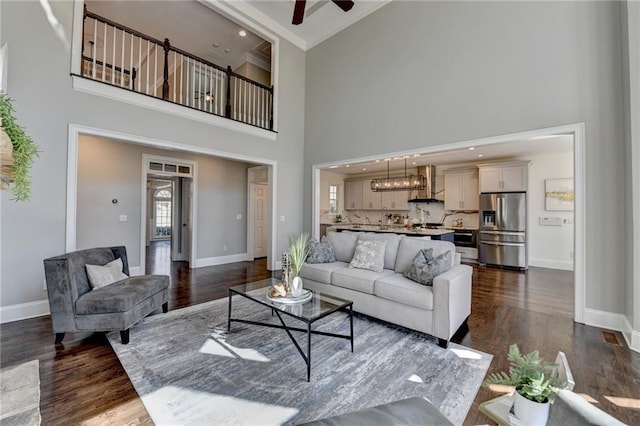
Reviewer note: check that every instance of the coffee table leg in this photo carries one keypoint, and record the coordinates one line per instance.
(351, 324)
(308, 352)
(229, 314)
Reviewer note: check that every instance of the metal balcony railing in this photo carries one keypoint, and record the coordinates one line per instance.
(128, 59)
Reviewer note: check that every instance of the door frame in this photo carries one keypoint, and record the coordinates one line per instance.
(581, 313)
(75, 130)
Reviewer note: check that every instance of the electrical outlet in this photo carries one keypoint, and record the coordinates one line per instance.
(239, 216)
(281, 218)
(224, 248)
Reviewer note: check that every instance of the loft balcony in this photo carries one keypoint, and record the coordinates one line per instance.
(119, 56)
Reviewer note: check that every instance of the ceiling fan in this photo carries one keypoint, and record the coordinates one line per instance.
(298, 10)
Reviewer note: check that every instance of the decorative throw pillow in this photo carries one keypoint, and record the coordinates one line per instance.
(321, 251)
(369, 255)
(102, 276)
(425, 267)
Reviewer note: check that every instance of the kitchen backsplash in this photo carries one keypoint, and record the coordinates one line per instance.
(426, 212)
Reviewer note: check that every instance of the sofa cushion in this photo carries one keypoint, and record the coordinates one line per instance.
(321, 251)
(369, 255)
(390, 251)
(409, 246)
(426, 267)
(357, 279)
(321, 272)
(344, 244)
(103, 275)
(400, 289)
(121, 296)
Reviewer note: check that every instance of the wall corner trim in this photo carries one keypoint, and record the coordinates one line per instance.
(613, 321)
(220, 260)
(631, 336)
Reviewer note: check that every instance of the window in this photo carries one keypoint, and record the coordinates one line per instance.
(333, 199)
(162, 206)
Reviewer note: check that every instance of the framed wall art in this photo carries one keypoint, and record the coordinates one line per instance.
(558, 194)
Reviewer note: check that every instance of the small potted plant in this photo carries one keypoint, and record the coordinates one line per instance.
(298, 253)
(534, 387)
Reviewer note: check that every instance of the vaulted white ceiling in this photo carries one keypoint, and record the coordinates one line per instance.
(322, 18)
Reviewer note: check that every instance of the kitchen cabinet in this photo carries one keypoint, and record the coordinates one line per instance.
(461, 190)
(504, 177)
(353, 195)
(370, 200)
(395, 200)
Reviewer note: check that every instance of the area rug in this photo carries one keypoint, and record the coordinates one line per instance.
(20, 394)
(188, 369)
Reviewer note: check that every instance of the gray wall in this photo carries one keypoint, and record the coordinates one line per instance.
(45, 103)
(417, 74)
(109, 169)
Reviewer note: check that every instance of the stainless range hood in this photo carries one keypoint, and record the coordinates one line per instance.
(428, 194)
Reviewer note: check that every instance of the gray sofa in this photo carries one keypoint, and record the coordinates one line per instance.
(439, 310)
(76, 307)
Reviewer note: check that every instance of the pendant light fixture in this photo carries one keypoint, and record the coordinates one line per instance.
(406, 183)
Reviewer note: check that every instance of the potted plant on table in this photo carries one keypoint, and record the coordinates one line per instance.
(534, 387)
(298, 253)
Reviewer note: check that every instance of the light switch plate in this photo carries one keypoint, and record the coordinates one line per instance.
(123, 218)
(551, 221)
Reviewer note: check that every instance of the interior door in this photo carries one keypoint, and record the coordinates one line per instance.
(260, 220)
(181, 237)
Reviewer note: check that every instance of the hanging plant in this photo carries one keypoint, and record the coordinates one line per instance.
(17, 156)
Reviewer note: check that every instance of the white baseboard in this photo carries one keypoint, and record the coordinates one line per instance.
(278, 265)
(24, 311)
(220, 260)
(604, 319)
(631, 336)
(552, 264)
(134, 271)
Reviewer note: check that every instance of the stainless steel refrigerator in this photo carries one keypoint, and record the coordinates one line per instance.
(503, 224)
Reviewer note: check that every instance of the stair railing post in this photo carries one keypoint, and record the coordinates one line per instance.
(165, 84)
(271, 111)
(227, 108)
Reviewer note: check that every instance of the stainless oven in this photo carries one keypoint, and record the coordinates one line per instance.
(465, 237)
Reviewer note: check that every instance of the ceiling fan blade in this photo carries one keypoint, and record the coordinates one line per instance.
(345, 5)
(298, 12)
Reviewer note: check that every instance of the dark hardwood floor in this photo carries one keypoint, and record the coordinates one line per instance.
(82, 381)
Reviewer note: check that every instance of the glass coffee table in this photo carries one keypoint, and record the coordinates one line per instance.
(319, 306)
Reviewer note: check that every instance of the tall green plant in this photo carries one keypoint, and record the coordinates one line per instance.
(24, 150)
(298, 252)
(530, 375)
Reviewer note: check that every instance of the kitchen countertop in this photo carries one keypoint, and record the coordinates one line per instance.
(396, 230)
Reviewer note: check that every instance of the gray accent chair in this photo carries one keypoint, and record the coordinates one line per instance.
(76, 307)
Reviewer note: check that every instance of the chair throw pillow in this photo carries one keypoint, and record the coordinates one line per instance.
(369, 255)
(321, 251)
(425, 267)
(102, 276)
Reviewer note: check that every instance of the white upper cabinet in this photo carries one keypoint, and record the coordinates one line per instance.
(370, 200)
(504, 177)
(395, 200)
(353, 195)
(461, 190)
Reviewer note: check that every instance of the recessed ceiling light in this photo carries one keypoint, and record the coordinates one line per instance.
(242, 33)
(333, 167)
(416, 155)
(480, 155)
(414, 163)
(387, 159)
(348, 165)
(364, 169)
(377, 161)
(216, 45)
(227, 50)
(472, 148)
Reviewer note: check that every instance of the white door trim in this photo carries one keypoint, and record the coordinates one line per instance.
(146, 158)
(580, 211)
(75, 130)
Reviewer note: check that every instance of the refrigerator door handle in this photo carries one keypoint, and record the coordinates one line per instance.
(503, 232)
(492, 243)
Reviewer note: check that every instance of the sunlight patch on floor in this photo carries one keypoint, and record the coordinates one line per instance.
(624, 402)
(415, 379)
(465, 353)
(588, 398)
(216, 345)
(228, 410)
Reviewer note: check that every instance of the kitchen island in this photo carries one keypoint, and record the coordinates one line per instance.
(435, 234)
